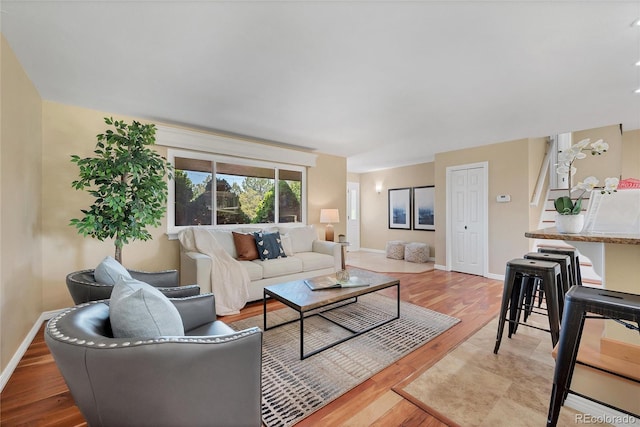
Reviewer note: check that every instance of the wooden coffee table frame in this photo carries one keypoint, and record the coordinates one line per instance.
(299, 297)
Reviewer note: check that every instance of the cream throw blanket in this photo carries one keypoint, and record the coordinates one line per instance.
(229, 281)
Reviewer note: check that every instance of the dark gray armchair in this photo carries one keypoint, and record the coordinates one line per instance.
(209, 377)
(83, 287)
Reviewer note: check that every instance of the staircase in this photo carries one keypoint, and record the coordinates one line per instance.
(547, 219)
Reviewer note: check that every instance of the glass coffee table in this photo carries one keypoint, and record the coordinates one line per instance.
(298, 296)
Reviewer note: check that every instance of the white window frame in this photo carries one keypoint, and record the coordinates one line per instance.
(173, 230)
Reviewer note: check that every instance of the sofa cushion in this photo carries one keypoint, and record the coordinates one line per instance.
(225, 239)
(315, 261)
(245, 246)
(286, 244)
(269, 245)
(302, 238)
(253, 268)
(109, 271)
(138, 310)
(280, 266)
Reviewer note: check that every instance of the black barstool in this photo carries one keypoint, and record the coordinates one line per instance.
(576, 278)
(565, 273)
(578, 302)
(516, 276)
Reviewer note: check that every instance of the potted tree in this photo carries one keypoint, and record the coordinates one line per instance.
(126, 177)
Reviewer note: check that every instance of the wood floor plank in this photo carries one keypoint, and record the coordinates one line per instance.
(36, 394)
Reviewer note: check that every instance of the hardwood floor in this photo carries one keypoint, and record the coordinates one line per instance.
(36, 394)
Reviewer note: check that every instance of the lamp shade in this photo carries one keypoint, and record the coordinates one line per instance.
(329, 216)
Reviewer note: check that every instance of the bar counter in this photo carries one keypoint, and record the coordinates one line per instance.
(615, 258)
(552, 233)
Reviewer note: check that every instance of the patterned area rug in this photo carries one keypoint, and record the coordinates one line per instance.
(293, 389)
(471, 386)
(379, 262)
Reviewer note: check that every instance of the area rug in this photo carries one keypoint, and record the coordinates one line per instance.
(378, 262)
(471, 386)
(293, 389)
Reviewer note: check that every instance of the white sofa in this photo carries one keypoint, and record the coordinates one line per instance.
(307, 257)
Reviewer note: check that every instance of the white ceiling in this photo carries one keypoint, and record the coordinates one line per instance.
(383, 83)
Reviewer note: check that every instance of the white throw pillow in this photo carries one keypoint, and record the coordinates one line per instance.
(109, 271)
(285, 241)
(138, 310)
(302, 238)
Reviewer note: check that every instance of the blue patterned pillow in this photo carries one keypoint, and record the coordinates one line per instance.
(269, 245)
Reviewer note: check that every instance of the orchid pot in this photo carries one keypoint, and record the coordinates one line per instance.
(571, 224)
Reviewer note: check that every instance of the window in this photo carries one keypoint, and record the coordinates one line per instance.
(245, 191)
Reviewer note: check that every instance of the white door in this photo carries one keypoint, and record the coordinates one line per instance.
(353, 216)
(467, 219)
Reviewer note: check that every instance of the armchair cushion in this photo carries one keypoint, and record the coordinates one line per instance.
(109, 271)
(142, 311)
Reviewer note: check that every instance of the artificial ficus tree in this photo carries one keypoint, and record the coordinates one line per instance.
(127, 179)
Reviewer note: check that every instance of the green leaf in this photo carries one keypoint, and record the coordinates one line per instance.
(563, 205)
(126, 180)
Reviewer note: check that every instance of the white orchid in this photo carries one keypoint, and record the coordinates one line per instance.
(610, 185)
(582, 144)
(599, 147)
(588, 184)
(565, 205)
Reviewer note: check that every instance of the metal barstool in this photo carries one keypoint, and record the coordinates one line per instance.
(517, 273)
(575, 262)
(579, 301)
(563, 285)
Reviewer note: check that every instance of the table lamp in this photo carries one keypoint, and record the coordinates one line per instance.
(329, 217)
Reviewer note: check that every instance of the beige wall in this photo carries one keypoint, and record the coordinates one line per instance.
(537, 150)
(20, 191)
(631, 154)
(71, 130)
(602, 166)
(508, 174)
(327, 188)
(374, 226)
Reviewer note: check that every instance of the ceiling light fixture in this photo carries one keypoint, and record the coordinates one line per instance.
(636, 23)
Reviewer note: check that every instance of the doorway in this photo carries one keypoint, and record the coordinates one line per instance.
(353, 216)
(467, 218)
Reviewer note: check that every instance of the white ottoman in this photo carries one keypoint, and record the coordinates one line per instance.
(416, 252)
(395, 249)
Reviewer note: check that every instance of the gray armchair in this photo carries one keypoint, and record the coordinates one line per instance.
(209, 377)
(83, 287)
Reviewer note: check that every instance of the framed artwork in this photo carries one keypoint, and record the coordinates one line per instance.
(400, 208)
(424, 208)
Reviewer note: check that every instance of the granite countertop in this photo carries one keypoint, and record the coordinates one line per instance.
(553, 234)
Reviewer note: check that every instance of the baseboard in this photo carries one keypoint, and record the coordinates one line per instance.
(599, 413)
(24, 346)
(488, 275)
(378, 251)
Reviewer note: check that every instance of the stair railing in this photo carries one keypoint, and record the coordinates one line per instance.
(542, 174)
